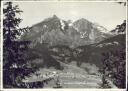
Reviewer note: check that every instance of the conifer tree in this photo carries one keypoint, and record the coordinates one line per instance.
(114, 61)
(15, 64)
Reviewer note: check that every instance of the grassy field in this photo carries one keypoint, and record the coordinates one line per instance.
(71, 77)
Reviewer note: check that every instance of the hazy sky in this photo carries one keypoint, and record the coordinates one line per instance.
(107, 14)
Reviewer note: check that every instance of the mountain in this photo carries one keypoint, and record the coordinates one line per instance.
(81, 41)
(56, 31)
(89, 31)
(56, 39)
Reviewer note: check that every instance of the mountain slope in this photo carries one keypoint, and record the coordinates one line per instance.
(93, 53)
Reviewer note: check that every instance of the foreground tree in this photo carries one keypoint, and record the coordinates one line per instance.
(114, 61)
(15, 64)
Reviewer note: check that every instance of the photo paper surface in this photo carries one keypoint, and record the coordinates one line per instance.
(63, 45)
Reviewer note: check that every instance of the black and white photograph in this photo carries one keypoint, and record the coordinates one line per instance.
(63, 44)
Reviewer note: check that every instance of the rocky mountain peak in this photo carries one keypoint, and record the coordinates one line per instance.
(54, 16)
(56, 31)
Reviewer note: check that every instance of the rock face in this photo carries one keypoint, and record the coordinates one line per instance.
(55, 31)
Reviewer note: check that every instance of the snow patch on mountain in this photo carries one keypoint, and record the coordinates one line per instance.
(62, 24)
(83, 35)
(92, 36)
(44, 26)
(71, 24)
(100, 28)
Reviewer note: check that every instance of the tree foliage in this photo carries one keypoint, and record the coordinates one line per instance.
(114, 62)
(15, 64)
(120, 28)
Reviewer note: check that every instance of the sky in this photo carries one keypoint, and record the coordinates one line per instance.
(107, 14)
